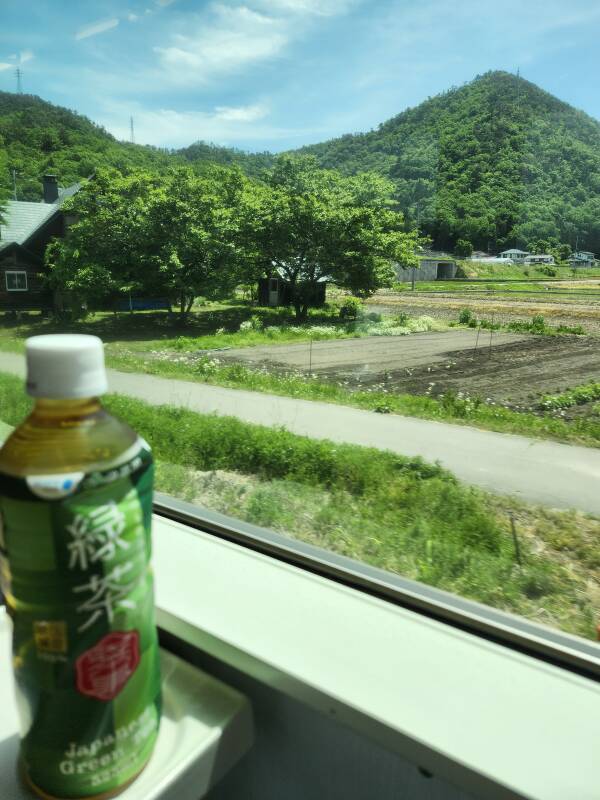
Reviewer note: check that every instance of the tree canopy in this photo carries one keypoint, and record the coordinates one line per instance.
(180, 234)
(314, 225)
(177, 236)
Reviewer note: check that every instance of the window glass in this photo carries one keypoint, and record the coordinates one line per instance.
(359, 241)
(16, 281)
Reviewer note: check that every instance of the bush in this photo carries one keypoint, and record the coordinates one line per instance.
(545, 269)
(465, 316)
(463, 248)
(538, 324)
(350, 308)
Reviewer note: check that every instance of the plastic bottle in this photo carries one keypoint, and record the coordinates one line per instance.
(75, 513)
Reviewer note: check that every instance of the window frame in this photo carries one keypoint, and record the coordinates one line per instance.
(17, 272)
(552, 646)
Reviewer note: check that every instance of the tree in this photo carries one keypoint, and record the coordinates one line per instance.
(463, 248)
(173, 235)
(314, 225)
(106, 249)
(195, 233)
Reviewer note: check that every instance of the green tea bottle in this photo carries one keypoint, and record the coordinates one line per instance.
(75, 514)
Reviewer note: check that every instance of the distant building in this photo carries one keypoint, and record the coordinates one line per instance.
(582, 258)
(431, 269)
(515, 255)
(543, 258)
(24, 235)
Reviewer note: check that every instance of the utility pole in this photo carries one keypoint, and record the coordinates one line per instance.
(14, 174)
(131, 130)
(19, 75)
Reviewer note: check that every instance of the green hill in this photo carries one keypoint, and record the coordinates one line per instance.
(498, 162)
(39, 137)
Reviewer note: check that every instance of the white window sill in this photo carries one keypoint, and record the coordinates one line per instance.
(493, 721)
(206, 727)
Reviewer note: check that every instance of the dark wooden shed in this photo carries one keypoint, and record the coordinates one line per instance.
(277, 291)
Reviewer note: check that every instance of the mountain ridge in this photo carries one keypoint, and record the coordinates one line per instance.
(497, 161)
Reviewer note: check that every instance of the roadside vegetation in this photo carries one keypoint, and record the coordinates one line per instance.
(536, 325)
(400, 514)
(149, 343)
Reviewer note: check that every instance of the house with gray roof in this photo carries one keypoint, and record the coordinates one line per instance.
(582, 258)
(24, 235)
(515, 255)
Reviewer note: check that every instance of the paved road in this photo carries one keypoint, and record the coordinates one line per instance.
(370, 354)
(556, 475)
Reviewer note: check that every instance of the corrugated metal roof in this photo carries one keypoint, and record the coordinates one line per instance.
(23, 218)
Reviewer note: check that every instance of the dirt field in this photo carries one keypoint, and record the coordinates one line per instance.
(515, 370)
(447, 306)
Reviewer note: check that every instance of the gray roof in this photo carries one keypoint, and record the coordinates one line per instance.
(24, 218)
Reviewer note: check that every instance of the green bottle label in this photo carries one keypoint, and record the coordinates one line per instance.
(75, 553)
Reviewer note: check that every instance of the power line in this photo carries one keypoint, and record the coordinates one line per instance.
(19, 75)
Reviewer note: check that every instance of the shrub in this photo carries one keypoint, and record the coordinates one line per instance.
(350, 308)
(463, 248)
(465, 316)
(538, 324)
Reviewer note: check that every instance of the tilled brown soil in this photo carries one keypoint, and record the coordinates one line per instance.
(507, 368)
(516, 373)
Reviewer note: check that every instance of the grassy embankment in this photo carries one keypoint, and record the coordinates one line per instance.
(146, 343)
(396, 513)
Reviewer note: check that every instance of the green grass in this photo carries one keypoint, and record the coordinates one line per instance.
(397, 513)
(213, 328)
(482, 270)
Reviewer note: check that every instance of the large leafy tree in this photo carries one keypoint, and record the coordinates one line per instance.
(195, 234)
(107, 248)
(176, 235)
(313, 225)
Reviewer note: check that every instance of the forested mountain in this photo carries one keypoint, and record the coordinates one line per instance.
(498, 161)
(39, 137)
(253, 164)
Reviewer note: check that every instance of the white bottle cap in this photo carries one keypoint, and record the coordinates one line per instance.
(65, 365)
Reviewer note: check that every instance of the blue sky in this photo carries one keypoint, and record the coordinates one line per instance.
(276, 74)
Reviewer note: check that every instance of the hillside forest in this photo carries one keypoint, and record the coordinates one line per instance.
(492, 164)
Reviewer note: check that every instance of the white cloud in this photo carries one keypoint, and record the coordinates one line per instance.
(168, 128)
(96, 27)
(320, 8)
(241, 113)
(25, 56)
(4, 65)
(132, 17)
(236, 37)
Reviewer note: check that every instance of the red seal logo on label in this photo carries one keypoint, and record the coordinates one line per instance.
(104, 669)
